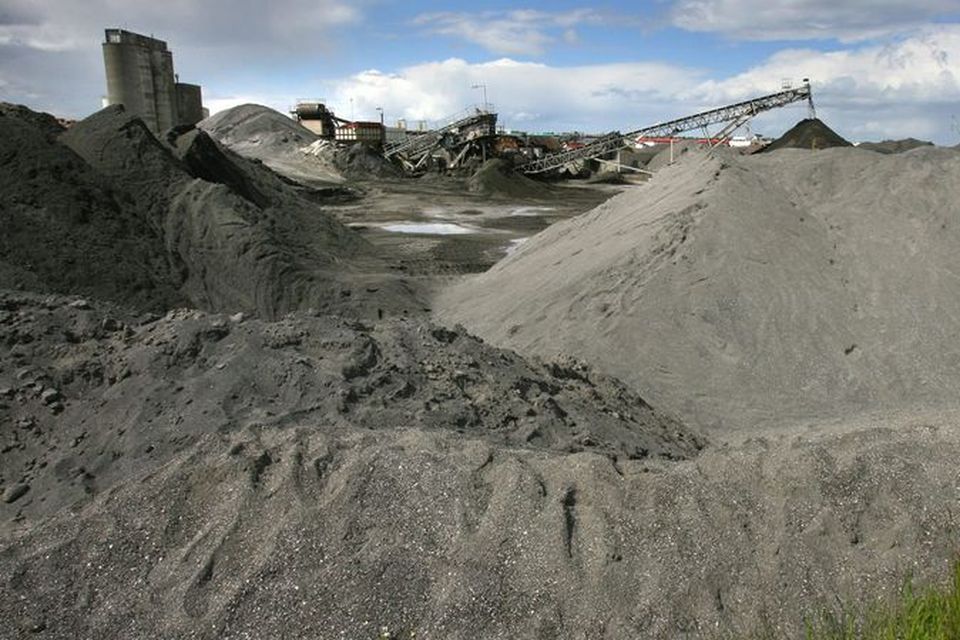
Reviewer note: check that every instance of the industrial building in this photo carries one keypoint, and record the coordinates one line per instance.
(140, 76)
(315, 116)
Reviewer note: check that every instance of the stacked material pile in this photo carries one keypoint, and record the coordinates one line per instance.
(107, 209)
(811, 134)
(260, 133)
(749, 290)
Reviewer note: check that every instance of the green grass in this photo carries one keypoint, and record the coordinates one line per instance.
(931, 615)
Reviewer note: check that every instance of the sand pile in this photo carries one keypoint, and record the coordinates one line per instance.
(664, 155)
(113, 212)
(360, 161)
(356, 162)
(496, 177)
(259, 132)
(606, 177)
(67, 228)
(749, 290)
(895, 146)
(809, 134)
(45, 122)
(206, 476)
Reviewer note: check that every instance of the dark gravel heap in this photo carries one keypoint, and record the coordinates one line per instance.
(496, 177)
(68, 228)
(108, 210)
(119, 395)
(358, 162)
(808, 134)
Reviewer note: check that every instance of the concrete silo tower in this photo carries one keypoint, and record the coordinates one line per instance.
(140, 76)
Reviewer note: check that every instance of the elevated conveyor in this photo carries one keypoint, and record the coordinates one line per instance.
(415, 147)
(733, 115)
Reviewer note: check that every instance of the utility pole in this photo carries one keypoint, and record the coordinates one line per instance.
(483, 87)
(380, 109)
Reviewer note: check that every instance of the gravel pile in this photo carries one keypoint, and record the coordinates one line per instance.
(260, 133)
(743, 291)
(810, 134)
(106, 209)
(67, 228)
(496, 177)
(212, 476)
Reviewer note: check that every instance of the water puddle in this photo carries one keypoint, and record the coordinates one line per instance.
(428, 228)
(531, 211)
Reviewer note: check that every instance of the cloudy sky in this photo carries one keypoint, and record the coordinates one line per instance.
(879, 68)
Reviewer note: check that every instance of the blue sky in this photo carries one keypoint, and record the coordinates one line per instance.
(880, 68)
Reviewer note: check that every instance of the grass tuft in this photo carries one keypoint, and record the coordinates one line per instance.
(931, 615)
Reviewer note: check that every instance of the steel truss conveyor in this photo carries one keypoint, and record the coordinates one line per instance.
(734, 116)
(418, 146)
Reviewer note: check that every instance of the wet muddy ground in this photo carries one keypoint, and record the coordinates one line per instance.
(435, 228)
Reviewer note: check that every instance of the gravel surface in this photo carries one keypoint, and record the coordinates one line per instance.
(205, 476)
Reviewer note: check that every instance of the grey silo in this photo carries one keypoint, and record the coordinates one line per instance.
(140, 76)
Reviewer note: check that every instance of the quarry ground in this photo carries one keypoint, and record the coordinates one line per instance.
(434, 227)
(234, 407)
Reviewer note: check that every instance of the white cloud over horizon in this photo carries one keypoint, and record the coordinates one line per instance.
(907, 88)
(524, 91)
(243, 51)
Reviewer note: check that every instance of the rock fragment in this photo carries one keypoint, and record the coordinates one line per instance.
(15, 492)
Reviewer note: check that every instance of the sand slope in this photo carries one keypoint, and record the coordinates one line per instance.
(195, 476)
(894, 146)
(749, 290)
(239, 236)
(67, 228)
(259, 132)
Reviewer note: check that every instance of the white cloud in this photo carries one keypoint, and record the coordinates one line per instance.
(848, 20)
(519, 32)
(50, 49)
(581, 97)
(54, 25)
(908, 88)
(922, 68)
(40, 37)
